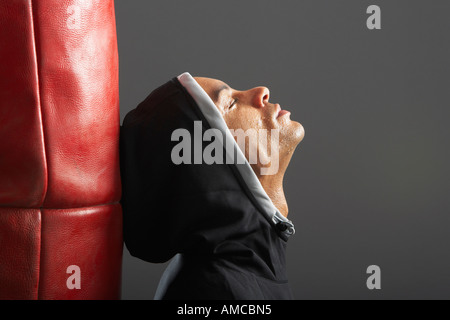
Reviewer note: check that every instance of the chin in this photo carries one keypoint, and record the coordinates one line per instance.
(291, 138)
(297, 133)
(294, 131)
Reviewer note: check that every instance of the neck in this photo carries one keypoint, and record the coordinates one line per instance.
(273, 185)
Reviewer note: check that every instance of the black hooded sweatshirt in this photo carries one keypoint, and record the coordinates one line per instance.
(225, 237)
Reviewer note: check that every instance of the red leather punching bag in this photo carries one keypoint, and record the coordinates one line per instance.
(60, 217)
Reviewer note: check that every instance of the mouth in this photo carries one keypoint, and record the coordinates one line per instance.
(281, 112)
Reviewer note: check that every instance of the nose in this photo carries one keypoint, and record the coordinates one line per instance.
(260, 96)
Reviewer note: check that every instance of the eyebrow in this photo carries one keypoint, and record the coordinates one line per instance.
(217, 92)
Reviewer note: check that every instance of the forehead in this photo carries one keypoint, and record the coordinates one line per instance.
(209, 82)
(213, 87)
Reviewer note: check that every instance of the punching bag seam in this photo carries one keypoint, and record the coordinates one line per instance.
(38, 95)
(59, 208)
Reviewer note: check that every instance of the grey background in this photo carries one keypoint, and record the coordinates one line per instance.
(369, 184)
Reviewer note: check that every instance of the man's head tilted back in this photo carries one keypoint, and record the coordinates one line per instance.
(251, 109)
(193, 191)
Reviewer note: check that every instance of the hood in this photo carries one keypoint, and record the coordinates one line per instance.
(198, 208)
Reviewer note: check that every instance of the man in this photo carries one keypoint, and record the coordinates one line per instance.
(224, 222)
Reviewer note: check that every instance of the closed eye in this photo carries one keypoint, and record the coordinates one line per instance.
(233, 104)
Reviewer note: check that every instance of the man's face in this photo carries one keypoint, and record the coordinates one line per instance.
(251, 109)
